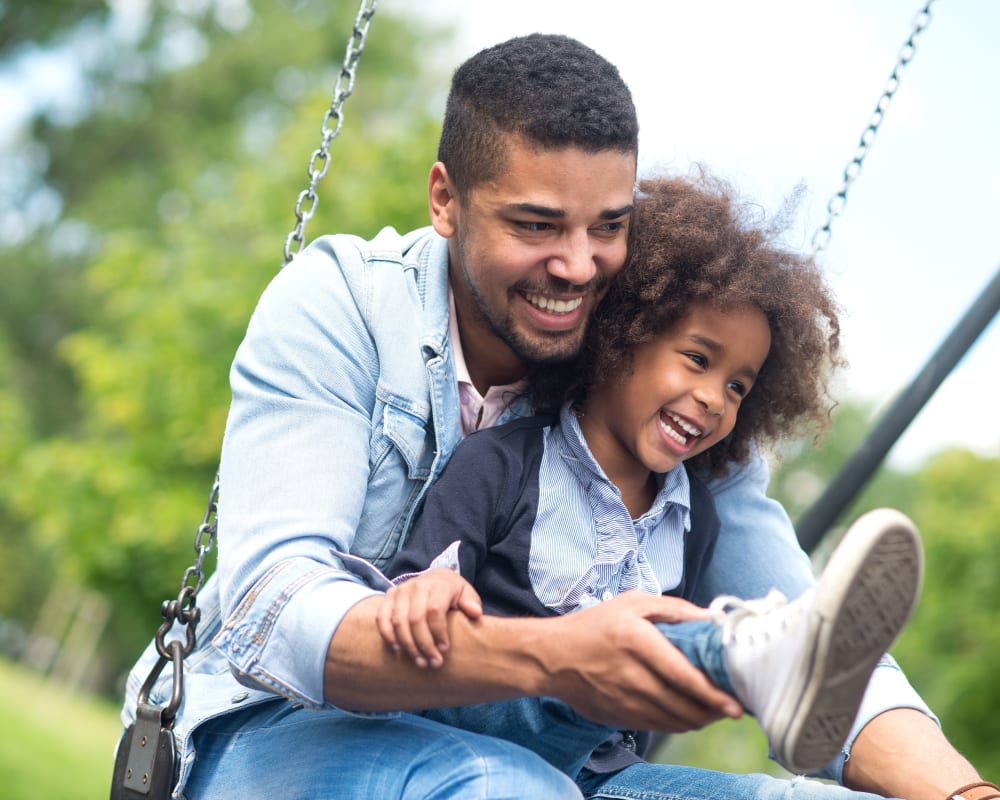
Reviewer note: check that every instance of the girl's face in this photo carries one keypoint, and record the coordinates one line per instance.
(682, 395)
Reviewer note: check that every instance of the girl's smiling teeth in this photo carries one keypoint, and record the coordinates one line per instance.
(550, 305)
(678, 429)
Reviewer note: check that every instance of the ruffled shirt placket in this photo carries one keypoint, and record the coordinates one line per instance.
(620, 563)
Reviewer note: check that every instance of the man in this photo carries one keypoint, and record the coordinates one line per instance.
(363, 365)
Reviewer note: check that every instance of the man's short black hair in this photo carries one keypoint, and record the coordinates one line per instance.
(550, 90)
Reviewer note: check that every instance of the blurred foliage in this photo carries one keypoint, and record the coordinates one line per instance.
(41, 726)
(951, 648)
(802, 469)
(121, 315)
(27, 24)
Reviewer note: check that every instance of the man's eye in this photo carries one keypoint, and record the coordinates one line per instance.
(534, 227)
(611, 227)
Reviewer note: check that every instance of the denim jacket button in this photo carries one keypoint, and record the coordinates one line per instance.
(240, 697)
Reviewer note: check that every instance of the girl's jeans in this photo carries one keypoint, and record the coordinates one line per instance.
(565, 739)
(560, 735)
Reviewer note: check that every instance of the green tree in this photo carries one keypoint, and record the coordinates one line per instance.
(802, 469)
(181, 195)
(951, 648)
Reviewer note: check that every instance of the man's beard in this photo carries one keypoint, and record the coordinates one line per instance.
(542, 348)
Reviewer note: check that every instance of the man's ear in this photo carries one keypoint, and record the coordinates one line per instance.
(442, 201)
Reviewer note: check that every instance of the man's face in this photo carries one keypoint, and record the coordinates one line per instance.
(533, 250)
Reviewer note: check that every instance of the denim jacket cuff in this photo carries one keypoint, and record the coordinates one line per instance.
(278, 637)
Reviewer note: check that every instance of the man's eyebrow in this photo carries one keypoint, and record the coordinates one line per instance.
(558, 213)
(615, 213)
(538, 211)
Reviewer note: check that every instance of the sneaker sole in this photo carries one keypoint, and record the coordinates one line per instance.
(863, 598)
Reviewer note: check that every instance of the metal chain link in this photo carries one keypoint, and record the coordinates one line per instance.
(319, 163)
(834, 208)
(183, 610)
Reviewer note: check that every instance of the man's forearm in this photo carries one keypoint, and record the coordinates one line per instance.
(903, 753)
(608, 662)
(488, 660)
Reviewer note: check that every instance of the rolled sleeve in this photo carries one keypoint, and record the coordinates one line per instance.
(277, 638)
(294, 475)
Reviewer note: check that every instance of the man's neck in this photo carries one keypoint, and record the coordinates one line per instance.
(489, 361)
(477, 357)
(486, 372)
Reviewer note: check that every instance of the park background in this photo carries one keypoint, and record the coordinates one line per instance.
(150, 157)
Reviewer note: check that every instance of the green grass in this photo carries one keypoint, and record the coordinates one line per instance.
(53, 744)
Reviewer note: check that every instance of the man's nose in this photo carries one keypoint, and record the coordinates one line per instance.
(573, 262)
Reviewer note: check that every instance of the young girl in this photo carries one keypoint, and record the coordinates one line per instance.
(713, 339)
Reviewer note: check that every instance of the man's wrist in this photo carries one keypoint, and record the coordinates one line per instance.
(981, 790)
(532, 645)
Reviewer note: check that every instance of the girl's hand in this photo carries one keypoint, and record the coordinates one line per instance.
(413, 617)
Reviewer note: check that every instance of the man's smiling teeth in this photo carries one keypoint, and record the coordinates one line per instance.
(552, 306)
(675, 434)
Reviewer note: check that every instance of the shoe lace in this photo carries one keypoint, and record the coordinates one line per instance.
(749, 620)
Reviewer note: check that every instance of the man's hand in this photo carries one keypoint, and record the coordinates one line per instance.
(413, 617)
(612, 665)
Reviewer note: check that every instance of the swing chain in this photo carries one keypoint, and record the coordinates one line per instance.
(204, 543)
(146, 764)
(835, 206)
(184, 611)
(319, 163)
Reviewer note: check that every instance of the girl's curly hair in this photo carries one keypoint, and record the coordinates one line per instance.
(692, 243)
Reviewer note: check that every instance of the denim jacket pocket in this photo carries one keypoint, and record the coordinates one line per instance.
(410, 436)
(402, 458)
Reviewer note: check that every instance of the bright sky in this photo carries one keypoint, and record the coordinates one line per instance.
(772, 93)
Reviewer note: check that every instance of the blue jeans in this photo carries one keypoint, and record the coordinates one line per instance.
(278, 750)
(565, 739)
(671, 782)
(558, 734)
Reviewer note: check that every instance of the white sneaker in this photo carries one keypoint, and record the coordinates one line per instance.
(802, 668)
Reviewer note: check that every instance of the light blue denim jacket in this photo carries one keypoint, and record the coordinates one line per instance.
(345, 408)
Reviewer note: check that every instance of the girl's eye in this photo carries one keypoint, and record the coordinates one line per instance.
(698, 359)
(738, 388)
